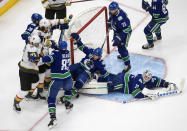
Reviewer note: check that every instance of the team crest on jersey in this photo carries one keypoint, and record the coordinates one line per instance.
(140, 80)
(120, 18)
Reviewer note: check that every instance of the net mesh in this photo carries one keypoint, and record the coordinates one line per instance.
(92, 35)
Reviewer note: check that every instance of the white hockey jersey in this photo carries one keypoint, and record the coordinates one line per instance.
(48, 34)
(26, 65)
(53, 3)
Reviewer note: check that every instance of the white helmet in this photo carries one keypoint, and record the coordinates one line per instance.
(34, 40)
(147, 75)
(44, 25)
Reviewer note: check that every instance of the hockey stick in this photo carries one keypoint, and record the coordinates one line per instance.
(62, 31)
(105, 40)
(80, 1)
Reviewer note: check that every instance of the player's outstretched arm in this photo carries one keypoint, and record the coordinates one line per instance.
(81, 46)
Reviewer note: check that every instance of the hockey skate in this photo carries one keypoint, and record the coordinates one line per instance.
(16, 106)
(147, 46)
(29, 96)
(119, 57)
(39, 96)
(127, 68)
(157, 38)
(68, 104)
(62, 100)
(52, 123)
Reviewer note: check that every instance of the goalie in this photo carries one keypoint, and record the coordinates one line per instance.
(131, 84)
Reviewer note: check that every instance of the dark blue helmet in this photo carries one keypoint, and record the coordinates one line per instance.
(36, 17)
(63, 45)
(113, 6)
(98, 52)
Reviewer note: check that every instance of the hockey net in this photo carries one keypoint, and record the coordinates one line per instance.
(91, 25)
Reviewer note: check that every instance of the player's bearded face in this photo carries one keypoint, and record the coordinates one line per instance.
(45, 29)
(36, 22)
(95, 57)
(114, 12)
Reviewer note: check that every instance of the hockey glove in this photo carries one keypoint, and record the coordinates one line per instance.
(54, 45)
(76, 37)
(145, 5)
(117, 41)
(25, 35)
(63, 26)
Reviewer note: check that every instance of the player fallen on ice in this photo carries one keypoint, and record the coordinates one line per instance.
(35, 23)
(120, 24)
(61, 78)
(84, 70)
(159, 14)
(131, 84)
(28, 70)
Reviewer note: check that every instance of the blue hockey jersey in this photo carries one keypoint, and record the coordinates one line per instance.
(127, 84)
(131, 84)
(159, 11)
(89, 64)
(28, 31)
(60, 62)
(120, 23)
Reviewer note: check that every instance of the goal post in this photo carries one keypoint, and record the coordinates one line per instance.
(92, 26)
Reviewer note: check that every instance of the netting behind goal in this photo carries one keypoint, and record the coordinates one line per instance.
(92, 27)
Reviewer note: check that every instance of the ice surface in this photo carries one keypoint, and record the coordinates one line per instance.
(90, 113)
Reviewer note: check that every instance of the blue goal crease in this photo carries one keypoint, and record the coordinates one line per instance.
(138, 64)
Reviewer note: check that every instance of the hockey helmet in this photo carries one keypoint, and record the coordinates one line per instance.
(36, 17)
(98, 52)
(113, 6)
(63, 45)
(147, 75)
(44, 25)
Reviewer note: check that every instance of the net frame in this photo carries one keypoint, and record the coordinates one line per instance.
(103, 9)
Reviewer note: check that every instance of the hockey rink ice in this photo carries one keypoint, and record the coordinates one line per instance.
(91, 113)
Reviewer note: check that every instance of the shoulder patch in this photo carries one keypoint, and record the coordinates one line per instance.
(120, 18)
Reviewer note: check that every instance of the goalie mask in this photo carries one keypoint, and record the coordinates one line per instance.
(147, 75)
